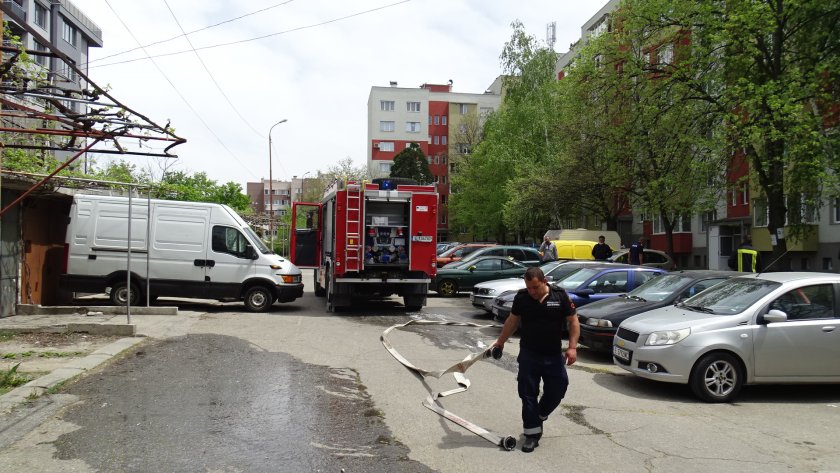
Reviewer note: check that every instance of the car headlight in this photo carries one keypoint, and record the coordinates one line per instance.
(667, 337)
(598, 323)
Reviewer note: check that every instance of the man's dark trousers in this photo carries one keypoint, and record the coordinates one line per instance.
(551, 369)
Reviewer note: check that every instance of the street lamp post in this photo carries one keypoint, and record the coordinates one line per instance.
(270, 188)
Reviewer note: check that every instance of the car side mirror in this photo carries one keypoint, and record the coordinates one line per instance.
(471, 268)
(585, 292)
(549, 278)
(775, 315)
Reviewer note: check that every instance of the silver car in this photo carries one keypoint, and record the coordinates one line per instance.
(760, 328)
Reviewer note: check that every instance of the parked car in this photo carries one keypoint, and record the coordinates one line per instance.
(462, 277)
(445, 245)
(589, 284)
(524, 254)
(482, 294)
(600, 320)
(652, 258)
(759, 328)
(458, 252)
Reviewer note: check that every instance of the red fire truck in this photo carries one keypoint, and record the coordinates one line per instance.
(368, 239)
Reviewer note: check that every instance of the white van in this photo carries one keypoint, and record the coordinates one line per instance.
(198, 250)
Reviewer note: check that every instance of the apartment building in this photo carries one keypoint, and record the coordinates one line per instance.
(437, 119)
(60, 24)
(706, 240)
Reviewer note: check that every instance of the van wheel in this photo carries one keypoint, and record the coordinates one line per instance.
(258, 299)
(717, 377)
(319, 291)
(120, 293)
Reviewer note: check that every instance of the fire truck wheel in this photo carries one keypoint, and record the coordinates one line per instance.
(319, 291)
(413, 303)
(258, 299)
(447, 288)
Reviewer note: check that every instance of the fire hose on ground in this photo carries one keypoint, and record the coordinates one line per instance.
(507, 442)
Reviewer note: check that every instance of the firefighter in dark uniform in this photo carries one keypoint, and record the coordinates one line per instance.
(541, 312)
(745, 258)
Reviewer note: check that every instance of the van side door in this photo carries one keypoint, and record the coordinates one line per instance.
(228, 262)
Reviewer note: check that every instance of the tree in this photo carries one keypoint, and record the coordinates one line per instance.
(412, 163)
(769, 68)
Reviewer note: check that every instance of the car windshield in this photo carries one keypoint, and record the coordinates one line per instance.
(257, 242)
(560, 271)
(658, 289)
(730, 297)
(575, 279)
(548, 267)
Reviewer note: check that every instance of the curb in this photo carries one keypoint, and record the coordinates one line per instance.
(38, 387)
(35, 309)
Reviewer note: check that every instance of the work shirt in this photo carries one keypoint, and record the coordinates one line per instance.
(636, 250)
(542, 324)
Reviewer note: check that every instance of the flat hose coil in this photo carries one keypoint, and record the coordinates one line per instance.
(457, 370)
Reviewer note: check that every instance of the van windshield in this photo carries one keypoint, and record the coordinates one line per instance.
(256, 241)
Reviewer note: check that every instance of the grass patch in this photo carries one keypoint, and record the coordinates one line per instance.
(59, 354)
(14, 356)
(6, 335)
(10, 379)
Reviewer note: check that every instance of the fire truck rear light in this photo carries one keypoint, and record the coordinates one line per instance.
(352, 241)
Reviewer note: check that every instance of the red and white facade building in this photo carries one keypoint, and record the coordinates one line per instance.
(429, 115)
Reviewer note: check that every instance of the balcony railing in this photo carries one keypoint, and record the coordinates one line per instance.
(16, 10)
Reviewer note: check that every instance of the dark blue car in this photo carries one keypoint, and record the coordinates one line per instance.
(589, 284)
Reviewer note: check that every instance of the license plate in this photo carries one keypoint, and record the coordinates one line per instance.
(621, 353)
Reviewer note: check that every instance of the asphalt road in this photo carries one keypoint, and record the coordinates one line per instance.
(299, 389)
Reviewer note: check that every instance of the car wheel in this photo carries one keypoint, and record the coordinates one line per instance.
(258, 299)
(319, 291)
(120, 293)
(717, 377)
(447, 288)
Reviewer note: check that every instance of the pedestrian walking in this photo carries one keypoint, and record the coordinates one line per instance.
(541, 313)
(637, 253)
(601, 250)
(548, 250)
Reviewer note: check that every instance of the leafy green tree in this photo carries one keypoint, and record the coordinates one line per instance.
(769, 68)
(411, 163)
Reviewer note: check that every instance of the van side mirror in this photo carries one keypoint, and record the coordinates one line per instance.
(250, 252)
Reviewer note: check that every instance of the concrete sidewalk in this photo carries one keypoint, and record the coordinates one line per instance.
(105, 321)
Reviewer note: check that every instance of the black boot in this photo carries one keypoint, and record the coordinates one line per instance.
(531, 442)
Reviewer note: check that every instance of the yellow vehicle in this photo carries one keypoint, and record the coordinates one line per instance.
(574, 249)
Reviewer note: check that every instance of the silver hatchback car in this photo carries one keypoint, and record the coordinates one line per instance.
(760, 328)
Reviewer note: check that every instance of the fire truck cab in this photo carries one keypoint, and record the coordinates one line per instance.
(366, 240)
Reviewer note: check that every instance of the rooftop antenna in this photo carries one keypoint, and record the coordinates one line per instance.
(551, 34)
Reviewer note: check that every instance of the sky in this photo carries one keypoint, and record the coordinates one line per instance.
(310, 62)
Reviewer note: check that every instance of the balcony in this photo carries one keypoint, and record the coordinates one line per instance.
(15, 10)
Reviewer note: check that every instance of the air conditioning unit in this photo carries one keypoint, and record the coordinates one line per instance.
(376, 145)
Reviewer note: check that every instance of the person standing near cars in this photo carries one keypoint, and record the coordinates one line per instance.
(601, 251)
(541, 313)
(637, 253)
(548, 250)
(745, 258)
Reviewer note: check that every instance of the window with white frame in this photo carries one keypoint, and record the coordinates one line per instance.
(682, 225)
(386, 126)
(41, 60)
(733, 197)
(385, 168)
(443, 218)
(386, 146)
(706, 219)
(463, 108)
(444, 180)
(801, 210)
(437, 119)
(40, 15)
(412, 127)
(412, 106)
(666, 54)
(443, 159)
(386, 105)
(443, 119)
(68, 32)
(745, 193)
(761, 213)
(437, 159)
(436, 140)
(443, 139)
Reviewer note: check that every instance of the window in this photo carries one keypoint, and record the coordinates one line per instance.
(809, 302)
(444, 199)
(443, 179)
(705, 220)
(666, 54)
(609, 283)
(437, 159)
(463, 148)
(463, 108)
(761, 214)
(437, 119)
(42, 60)
(444, 220)
(443, 140)
(801, 209)
(443, 120)
(386, 105)
(386, 126)
(682, 225)
(412, 127)
(443, 159)
(40, 15)
(484, 265)
(68, 33)
(229, 240)
(835, 210)
(385, 168)
(386, 146)
(745, 193)
(436, 141)
(412, 106)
